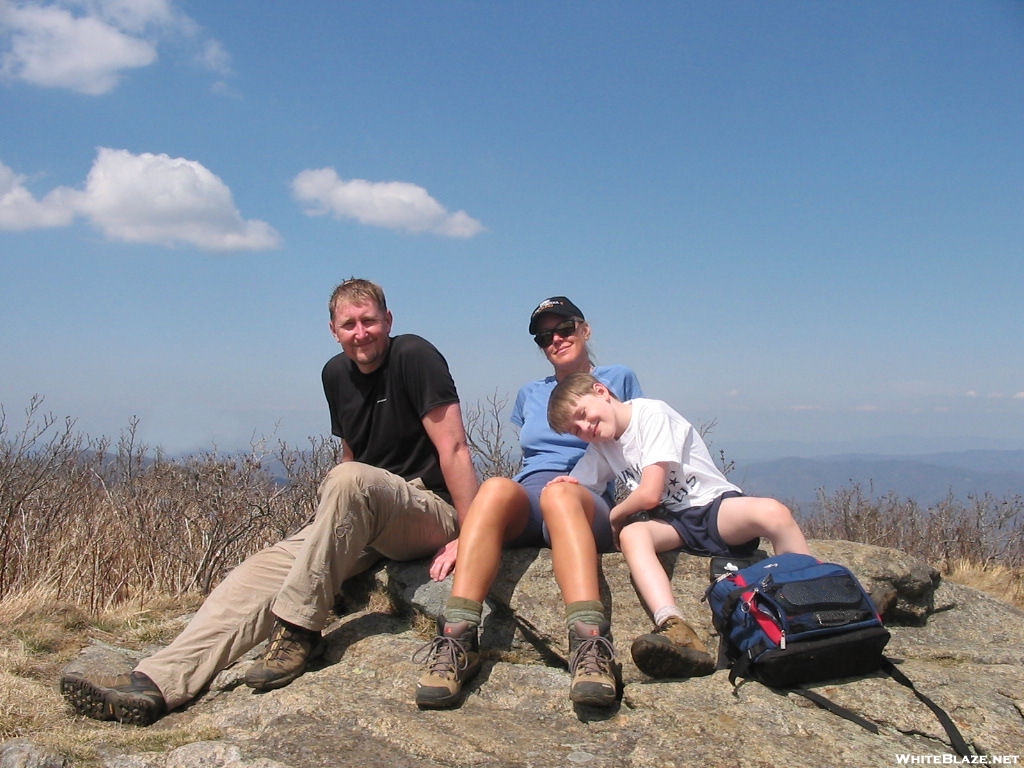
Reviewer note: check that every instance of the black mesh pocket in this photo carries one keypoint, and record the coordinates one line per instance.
(823, 593)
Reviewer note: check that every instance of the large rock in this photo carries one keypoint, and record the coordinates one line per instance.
(354, 707)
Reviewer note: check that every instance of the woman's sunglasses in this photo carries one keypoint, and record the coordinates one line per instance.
(565, 330)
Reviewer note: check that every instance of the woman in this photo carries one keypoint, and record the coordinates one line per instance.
(506, 513)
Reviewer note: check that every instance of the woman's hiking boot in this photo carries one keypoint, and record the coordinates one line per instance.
(595, 680)
(288, 652)
(672, 650)
(452, 660)
(130, 698)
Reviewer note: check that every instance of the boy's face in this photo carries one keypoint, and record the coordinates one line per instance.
(594, 418)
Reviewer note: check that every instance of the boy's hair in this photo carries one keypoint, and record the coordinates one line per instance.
(355, 291)
(564, 397)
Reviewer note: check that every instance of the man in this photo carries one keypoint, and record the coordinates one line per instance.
(405, 480)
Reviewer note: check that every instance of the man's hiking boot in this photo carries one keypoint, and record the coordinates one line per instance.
(452, 659)
(287, 654)
(672, 650)
(130, 698)
(592, 665)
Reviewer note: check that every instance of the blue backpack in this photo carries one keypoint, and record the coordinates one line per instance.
(791, 619)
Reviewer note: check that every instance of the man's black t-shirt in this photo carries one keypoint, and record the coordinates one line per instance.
(380, 414)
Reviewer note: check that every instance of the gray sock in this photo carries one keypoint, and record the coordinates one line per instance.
(462, 609)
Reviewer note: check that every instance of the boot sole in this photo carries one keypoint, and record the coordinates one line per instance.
(270, 685)
(98, 703)
(661, 658)
(428, 701)
(85, 698)
(593, 696)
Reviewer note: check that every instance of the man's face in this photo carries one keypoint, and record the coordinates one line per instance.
(363, 331)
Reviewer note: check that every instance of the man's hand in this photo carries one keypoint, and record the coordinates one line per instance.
(444, 561)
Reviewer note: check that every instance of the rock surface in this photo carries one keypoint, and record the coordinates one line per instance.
(354, 706)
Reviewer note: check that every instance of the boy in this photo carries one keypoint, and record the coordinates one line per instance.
(678, 499)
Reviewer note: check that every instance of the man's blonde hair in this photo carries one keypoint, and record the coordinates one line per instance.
(564, 397)
(355, 291)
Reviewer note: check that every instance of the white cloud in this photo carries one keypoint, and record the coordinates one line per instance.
(87, 45)
(133, 15)
(391, 204)
(20, 210)
(151, 198)
(144, 198)
(213, 56)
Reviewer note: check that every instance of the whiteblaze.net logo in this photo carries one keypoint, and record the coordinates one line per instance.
(907, 759)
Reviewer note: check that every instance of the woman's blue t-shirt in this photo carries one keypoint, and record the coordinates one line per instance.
(542, 447)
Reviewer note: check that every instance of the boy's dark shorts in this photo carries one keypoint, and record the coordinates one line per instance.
(698, 528)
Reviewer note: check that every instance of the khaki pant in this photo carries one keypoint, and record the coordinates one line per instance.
(363, 514)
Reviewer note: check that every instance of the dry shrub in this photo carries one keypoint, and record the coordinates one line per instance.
(100, 524)
(982, 534)
(487, 432)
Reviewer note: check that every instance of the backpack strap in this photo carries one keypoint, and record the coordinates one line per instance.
(956, 740)
(836, 709)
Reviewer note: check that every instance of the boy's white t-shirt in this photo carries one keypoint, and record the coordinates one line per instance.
(656, 433)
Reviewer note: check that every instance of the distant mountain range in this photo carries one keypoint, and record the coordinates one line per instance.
(925, 478)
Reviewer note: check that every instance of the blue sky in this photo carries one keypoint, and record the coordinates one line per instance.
(801, 220)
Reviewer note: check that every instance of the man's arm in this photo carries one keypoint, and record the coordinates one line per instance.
(446, 431)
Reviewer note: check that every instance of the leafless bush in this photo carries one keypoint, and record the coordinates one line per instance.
(495, 451)
(98, 524)
(304, 470)
(187, 520)
(41, 473)
(983, 530)
(724, 464)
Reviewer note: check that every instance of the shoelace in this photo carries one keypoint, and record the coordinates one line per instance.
(665, 626)
(445, 654)
(284, 642)
(594, 655)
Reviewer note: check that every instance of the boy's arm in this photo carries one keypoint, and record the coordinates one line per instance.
(647, 495)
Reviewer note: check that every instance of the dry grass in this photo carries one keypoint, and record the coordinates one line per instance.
(40, 634)
(995, 580)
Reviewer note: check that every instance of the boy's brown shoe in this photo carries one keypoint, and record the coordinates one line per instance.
(595, 680)
(287, 654)
(130, 698)
(452, 659)
(672, 650)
